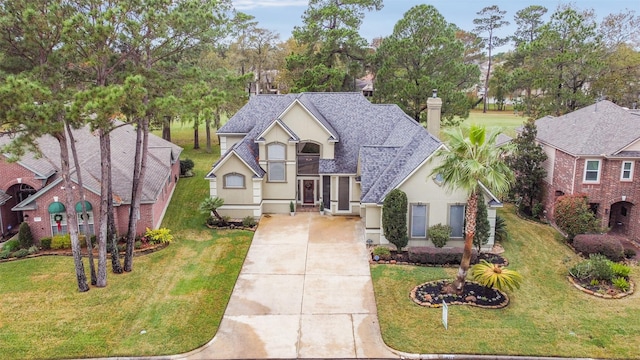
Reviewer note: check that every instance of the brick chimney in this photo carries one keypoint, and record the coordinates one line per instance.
(434, 107)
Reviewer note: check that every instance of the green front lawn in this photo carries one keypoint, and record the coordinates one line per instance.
(547, 316)
(171, 303)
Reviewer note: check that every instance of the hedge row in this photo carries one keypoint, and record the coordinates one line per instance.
(604, 244)
(428, 255)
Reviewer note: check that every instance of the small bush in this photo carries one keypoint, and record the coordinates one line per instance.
(491, 275)
(162, 235)
(61, 242)
(537, 210)
(249, 221)
(573, 216)
(629, 253)
(383, 252)
(620, 270)
(621, 283)
(4, 254)
(439, 234)
(11, 245)
(24, 236)
(604, 244)
(436, 256)
(45, 243)
(33, 250)
(20, 253)
(186, 165)
(582, 270)
(137, 244)
(601, 267)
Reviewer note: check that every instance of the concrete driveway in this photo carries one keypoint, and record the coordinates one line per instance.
(304, 291)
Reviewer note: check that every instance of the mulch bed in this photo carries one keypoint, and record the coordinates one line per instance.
(147, 249)
(603, 290)
(431, 294)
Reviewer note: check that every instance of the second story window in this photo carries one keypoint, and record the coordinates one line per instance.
(626, 171)
(276, 166)
(592, 171)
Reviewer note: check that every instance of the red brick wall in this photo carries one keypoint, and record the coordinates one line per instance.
(607, 192)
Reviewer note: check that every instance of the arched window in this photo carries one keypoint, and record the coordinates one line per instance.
(234, 181)
(89, 209)
(308, 158)
(276, 166)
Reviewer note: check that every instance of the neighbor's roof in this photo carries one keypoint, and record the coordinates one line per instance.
(600, 129)
(361, 130)
(123, 139)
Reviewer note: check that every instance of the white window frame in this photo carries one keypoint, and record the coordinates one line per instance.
(64, 229)
(90, 222)
(630, 170)
(426, 221)
(586, 166)
(234, 174)
(271, 161)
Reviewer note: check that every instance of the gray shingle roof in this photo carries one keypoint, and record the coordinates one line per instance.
(602, 128)
(161, 154)
(389, 143)
(4, 197)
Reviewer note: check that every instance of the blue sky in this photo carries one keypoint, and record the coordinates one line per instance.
(282, 15)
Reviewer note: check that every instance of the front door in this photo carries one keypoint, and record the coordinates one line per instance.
(308, 191)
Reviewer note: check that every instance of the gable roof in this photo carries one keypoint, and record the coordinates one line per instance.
(123, 138)
(599, 129)
(388, 143)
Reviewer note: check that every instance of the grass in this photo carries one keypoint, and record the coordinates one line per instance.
(546, 316)
(502, 119)
(171, 303)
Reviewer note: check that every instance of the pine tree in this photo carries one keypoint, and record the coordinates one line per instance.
(526, 162)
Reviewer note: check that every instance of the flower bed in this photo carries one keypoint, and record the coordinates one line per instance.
(431, 294)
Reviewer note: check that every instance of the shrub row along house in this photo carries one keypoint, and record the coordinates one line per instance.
(340, 150)
(594, 151)
(31, 188)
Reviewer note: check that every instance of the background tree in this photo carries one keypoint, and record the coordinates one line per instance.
(423, 54)
(526, 162)
(483, 227)
(492, 19)
(335, 53)
(471, 158)
(394, 218)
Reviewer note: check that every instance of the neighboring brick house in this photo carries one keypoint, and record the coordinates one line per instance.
(595, 151)
(31, 188)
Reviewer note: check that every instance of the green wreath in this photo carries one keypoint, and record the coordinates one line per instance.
(57, 218)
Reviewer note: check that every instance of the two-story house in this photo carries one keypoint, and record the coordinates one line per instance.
(338, 149)
(595, 151)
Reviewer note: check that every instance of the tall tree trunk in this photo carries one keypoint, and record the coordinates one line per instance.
(85, 215)
(139, 170)
(486, 81)
(207, 124)
(106, 209)
(112, 234)
(72, 221)
(469, 233)
(196, 137)
(166, 128)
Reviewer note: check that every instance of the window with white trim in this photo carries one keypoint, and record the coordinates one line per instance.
(58, 224)
(89, 221)
(234, 181)
(592, 171)
(419, 221)
(456, 220)
(626, 173)
(276, 167)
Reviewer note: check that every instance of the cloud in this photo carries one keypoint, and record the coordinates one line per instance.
(251, 4)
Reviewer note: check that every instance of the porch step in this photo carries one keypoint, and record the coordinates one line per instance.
(307, 208)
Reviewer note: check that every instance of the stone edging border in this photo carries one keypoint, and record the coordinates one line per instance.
(430, 305)
(603, 296)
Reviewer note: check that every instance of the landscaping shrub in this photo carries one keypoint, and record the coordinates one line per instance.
(573, 216)
(604, 244)
(5, 254)
(249, 221)
(24, 236)
(620, 270)
(137, 244)
(33, 250)
(394, 218)
(600, 267)
(495, 276)
(11, 245)
(61, 242)
(621, 283)
(501, 233)
(383, 252)
(45, 243)
(162, 235)
(439, 234)
(186, 166)
(582, 270)
(436, 256)
(629, 253)
(20, 253)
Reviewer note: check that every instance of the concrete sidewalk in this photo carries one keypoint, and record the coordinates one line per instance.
(304, 291)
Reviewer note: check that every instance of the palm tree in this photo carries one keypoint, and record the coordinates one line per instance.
(211, 205)
(472, 158)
